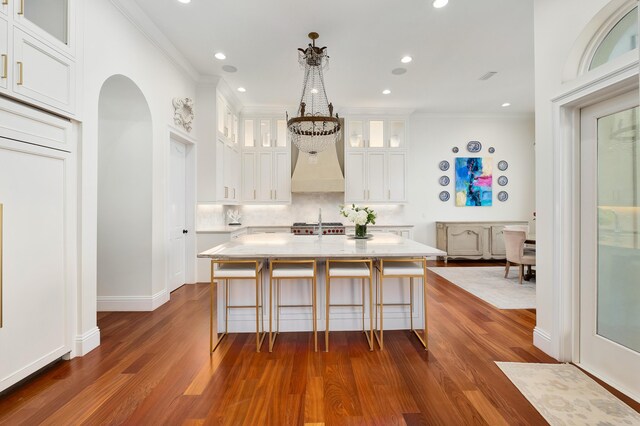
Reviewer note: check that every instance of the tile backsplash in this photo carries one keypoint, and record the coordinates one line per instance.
(304, 208)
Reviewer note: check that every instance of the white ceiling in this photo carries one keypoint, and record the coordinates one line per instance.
(452, 47)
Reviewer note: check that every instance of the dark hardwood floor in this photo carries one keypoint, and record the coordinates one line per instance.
(155, 368)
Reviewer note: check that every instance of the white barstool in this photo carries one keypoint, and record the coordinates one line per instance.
(291, 270)
(228, 270)
(401, 268)
(350, 268)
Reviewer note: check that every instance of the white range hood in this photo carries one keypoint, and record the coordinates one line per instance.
(325, 175)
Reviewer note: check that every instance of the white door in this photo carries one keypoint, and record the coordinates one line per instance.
(177, 223)
(265, 171)
(249, 192)
(376, 177)
(610, 242)
(355, 177)
(396, 175)
(281, 176)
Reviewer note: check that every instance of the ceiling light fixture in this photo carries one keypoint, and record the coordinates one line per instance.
(220, 56)
(241, 89)
(386, 91)
(506, 104)
(185, 1)
(406, 59)
(440, 3)
(315, 128)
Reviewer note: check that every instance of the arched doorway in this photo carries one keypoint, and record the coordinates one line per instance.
(124, 251)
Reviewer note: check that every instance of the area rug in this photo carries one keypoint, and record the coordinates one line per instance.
(564, 395)
(490, 285)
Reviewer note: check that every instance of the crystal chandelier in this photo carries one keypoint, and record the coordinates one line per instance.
(315, 128)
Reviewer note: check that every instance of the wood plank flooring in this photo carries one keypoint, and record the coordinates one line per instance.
(155, 368)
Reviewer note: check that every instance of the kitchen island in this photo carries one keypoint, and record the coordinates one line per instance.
(290, 246)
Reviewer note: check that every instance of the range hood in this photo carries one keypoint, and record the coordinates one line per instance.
(323, 175)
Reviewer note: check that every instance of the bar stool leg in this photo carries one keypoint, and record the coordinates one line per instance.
(270, 313)
(226, 306)
(424, 287)
(211, 288)
(411, 302)
(363, 299)
(313, 309)
(327, 303)
(371, 308)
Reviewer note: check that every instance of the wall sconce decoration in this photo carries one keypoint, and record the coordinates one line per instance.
(183, 113)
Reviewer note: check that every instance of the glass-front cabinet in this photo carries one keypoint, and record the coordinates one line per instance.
(264, 133)
(52, 16)
(375, 133)
(375, 160)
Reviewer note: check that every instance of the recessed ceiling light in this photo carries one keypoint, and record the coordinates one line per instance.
(241, 89)
(406, 59)
(386, 91)
(506, 104)
(229, 68)
(185, 1)
(398, 71)
(440, 3)
(314, 90)
(220, 56)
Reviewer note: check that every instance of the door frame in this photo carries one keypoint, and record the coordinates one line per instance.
(190, 205)
(602, 85)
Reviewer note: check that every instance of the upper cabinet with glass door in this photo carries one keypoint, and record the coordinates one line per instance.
(48, 20)
(260, 132)
(227, 121)
(375, 133)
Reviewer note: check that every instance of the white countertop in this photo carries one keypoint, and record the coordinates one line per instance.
(222, 229)
(298, 246)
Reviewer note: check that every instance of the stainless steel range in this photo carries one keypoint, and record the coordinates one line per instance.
(328, 228)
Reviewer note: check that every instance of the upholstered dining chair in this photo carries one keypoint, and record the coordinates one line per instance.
(516, 252)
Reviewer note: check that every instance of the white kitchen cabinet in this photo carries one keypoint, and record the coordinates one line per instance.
(4, 53)
(375, 176)
(226, 121)
(375, 133)
(266, 177)
(37, 197)
(227, 173)
(264, 132)
(37, 54)
(42, 74)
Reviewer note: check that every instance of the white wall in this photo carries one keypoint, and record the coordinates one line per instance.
(113, 45)
(124, 191)
(431, 139)
(557, 27)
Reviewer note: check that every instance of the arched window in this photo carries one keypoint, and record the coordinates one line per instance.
(622, 38)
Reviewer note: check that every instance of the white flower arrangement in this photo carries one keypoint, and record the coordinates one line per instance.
(359, 215)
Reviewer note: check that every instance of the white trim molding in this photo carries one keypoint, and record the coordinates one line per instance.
(85, 343)
(542, 340)
(132, 303)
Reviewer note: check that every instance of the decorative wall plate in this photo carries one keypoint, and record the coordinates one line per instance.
(503, 165)
(503, 196)
(491, 150)
(444, 165)
(503, 180)
(455, 149)
(474, 146)
(444, 196)
(444, 180)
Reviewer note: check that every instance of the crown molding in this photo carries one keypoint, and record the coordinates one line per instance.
(483, 115)
(145, 25)
(345, 111)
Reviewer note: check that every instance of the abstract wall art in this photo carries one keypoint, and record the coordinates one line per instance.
(474, 181)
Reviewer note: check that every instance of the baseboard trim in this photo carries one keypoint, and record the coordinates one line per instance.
(132, 303)
(85, 343)
(542, 340)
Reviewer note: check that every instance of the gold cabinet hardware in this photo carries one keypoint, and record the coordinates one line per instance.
(21, 11)
(20, 74)
(275, 194)
(364, 194)
(226, 192)
(389, 194)
(5, 65)
(254, 194)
